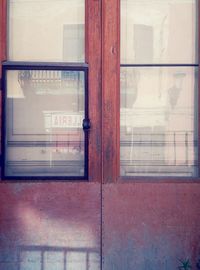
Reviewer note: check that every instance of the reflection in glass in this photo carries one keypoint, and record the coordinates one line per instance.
(30, 260)
(57, 257)
(54, 260)
(44, 114)
(47, 30)
(158, 116)
(77, 260)
(158, 31)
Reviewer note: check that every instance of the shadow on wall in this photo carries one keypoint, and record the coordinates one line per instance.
(155, 254)
(49, 227)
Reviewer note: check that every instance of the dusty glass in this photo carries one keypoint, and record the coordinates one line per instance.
(159, 121)
(50, 30)
(44, 114)
(159, 88)
(158, 31)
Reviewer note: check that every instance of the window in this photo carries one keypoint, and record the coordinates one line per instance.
(134, 130)
(159, 88)
(45, 95)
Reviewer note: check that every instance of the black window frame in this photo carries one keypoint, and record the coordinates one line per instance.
(20, 65)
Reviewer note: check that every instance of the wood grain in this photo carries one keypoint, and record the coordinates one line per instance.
(111, 81)
(93, 56)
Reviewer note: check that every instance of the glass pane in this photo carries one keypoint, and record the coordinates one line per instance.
(50, 30)
(158, 31)
(44, 114)
(158, 121)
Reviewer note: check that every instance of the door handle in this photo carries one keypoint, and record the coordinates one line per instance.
(86, 124)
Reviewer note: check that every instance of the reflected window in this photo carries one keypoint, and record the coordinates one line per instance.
(159, 31)
(59, 258)
(44, 113)
(159, 88)
(49, 30)
(73, 43)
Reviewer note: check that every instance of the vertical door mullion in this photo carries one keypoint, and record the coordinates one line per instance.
(93, 57)
(111, 82)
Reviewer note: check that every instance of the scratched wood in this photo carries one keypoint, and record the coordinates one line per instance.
(93, 57)
(110, 88)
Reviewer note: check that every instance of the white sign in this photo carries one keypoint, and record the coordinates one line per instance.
(63, 120)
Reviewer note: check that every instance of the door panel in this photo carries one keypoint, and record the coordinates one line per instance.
(153, 225)
(50, 226)
(150, 222)
(107, 222)
(56, 224)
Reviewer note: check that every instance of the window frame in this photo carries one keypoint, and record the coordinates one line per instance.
(111, 109)
(12, 65)
(103, 57)
(93, 65)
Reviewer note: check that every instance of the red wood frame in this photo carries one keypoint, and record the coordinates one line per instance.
(198, 15)
(93, 58)
(111, 100)
(3, 30)
(2, 47)
(110, 88)
(103, 57)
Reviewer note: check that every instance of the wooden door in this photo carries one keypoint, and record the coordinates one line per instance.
(150, 177)
(118, 218)
(53, 223)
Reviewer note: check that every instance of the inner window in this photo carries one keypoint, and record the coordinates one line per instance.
(44, 113)
(45, 90)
